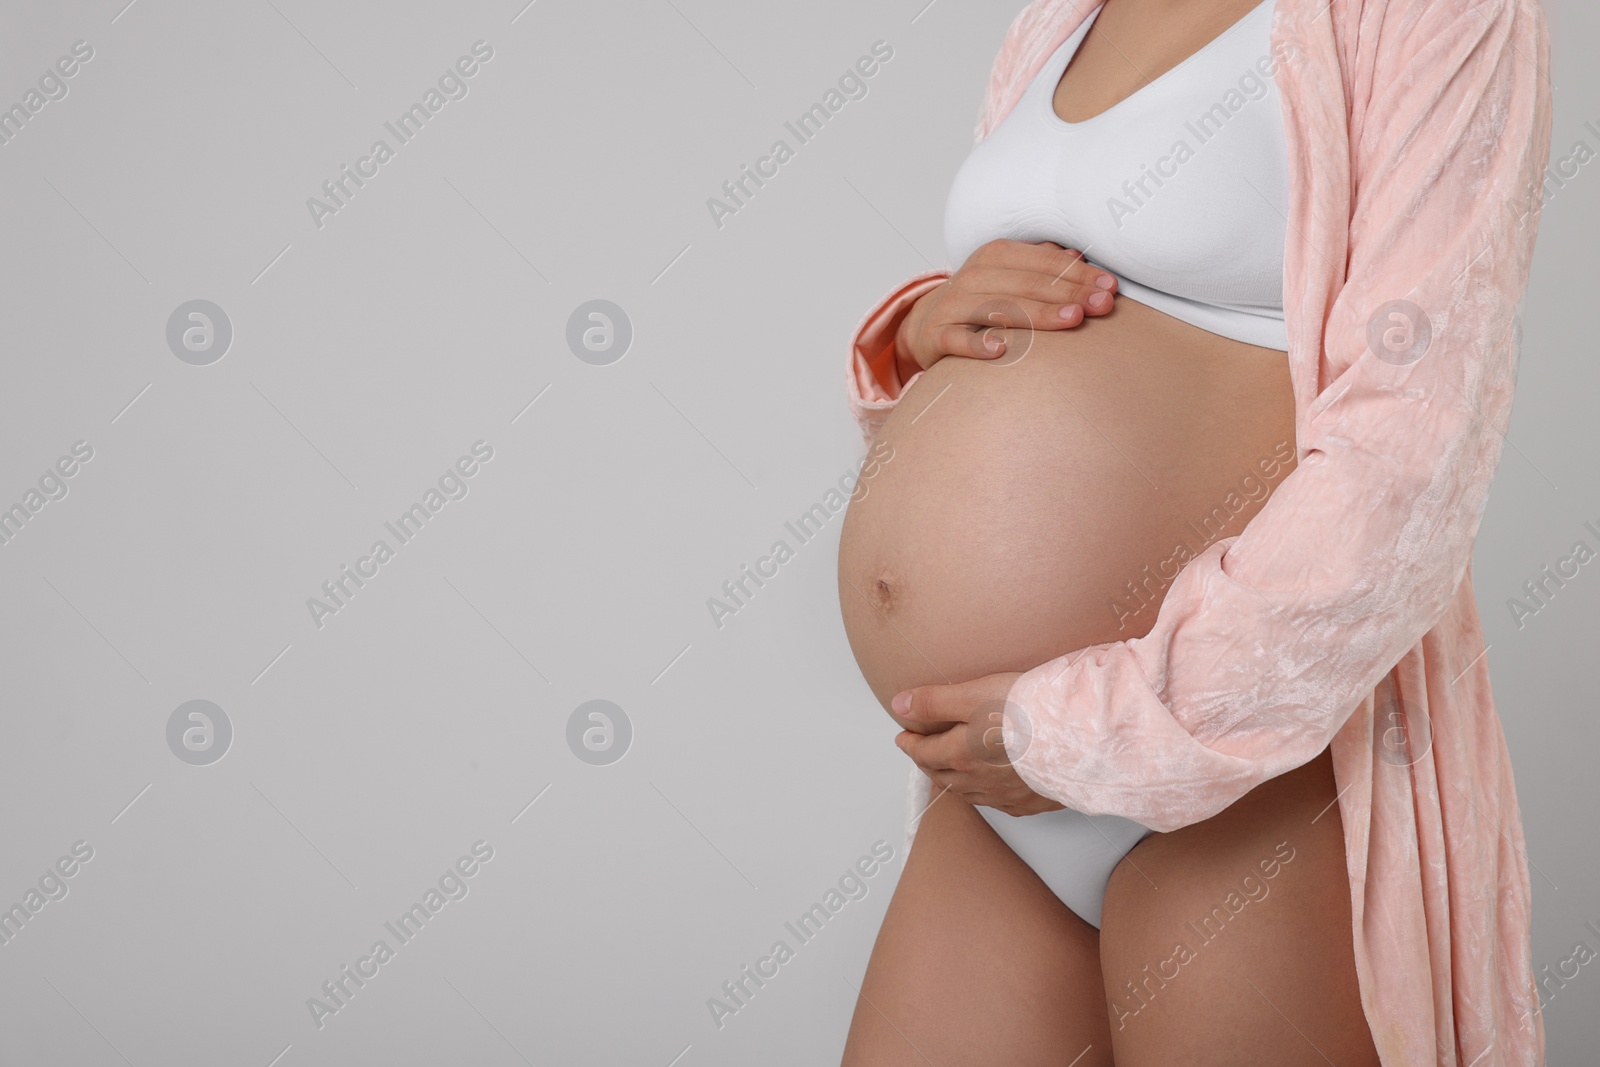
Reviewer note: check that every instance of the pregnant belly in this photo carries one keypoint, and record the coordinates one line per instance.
(1039, 504)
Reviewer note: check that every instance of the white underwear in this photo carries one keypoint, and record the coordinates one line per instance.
(1072, 852)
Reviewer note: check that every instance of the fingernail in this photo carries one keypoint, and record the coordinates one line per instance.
(901, 703)
(1068, 311)
(990, 344)
(1100, 301)
(1105, 281)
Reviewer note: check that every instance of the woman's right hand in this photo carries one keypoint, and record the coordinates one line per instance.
(1005, 283)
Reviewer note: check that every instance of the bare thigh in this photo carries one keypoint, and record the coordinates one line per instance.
(1229, 942)
(977, 962)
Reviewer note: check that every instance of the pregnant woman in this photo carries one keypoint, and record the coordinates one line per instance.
(1168, 580)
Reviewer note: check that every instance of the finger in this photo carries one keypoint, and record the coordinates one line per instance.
(980, 793)
(981, 799)
(1069, 268)
(1081, 271)
(937, 703)
(1043, 257)
(959, 339)
(1024, 300)
(1064, 248)
(935, 753)
(989, 341)
(1049, 264)
(975, 796)
(1062, 309)
(954, 786)
(966, 702)
(996, 341)
(1052, 288)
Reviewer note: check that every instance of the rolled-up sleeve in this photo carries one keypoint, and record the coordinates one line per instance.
(872, 383)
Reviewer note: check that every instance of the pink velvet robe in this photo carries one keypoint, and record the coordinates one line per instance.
(1417, 133)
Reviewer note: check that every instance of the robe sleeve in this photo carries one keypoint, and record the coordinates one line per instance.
(1267, 641)
(872, 383)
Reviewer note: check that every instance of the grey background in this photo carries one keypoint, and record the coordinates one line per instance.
(369, 354)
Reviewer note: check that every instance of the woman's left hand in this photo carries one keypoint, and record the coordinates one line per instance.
(968, 757)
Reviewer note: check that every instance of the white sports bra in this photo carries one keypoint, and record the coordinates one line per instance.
(1180, 190)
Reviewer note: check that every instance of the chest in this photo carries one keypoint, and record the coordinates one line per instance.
(1133, 42)
(1179, 185)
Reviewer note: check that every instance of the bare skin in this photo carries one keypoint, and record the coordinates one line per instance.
(1019, 498)
(1015, 284)
(934, 593)
(978, 963)
(1271, 983)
